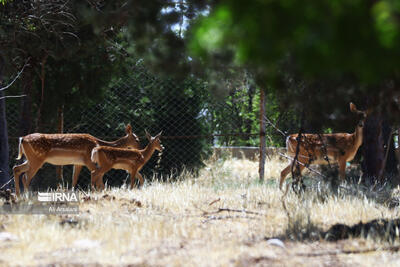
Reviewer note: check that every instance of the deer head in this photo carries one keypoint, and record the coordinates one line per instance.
(132, 140)
(155, 141)
(361, 114)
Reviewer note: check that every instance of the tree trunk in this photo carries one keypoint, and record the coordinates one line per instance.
(42, 76)
(390, 172)
(4, 157)
(248, 122)
(373, 149)
(262, 135)
(25, 123)
(379, 165)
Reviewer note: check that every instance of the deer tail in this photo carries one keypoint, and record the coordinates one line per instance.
(95, 155)
(291, 144)
(20, 149)
(288, 144)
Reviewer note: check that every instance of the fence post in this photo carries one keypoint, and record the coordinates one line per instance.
(262, 135)
(59, 169)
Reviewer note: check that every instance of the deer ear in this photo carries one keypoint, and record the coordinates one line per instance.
(369, 111)
(159, 134)
(128, 129)
(148, 136)
(353, 107)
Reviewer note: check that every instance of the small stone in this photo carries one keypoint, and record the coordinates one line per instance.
(86, 244)
(275, 242)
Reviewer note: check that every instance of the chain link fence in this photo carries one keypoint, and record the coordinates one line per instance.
(192, 121)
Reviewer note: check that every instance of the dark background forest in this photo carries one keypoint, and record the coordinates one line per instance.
(196, 69)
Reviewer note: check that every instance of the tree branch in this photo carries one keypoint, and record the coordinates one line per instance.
(19, 74)
(307, 167)
(11, 96)
(274, 126)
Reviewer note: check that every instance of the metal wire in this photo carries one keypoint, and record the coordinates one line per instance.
(192, 123)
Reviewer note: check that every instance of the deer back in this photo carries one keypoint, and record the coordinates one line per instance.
(41, 144)
(112, 155)
(316, 147)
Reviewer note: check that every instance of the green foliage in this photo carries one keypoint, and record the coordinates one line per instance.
(314, 56)
(74, 59)
(324, 37)
(76, 82)
(235, 114)
(153, 103)
(154, 29)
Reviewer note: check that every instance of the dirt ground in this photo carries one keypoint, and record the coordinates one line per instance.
(223, 217)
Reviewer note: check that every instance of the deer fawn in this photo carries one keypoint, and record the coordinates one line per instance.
(130, 160)
(325, 148)
(62, 149)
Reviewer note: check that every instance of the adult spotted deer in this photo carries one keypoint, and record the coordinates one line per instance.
(130, 160)
(62, 149)
(324, 148)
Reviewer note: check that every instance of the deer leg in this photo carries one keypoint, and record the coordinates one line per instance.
(100, 184)
(94, 173)
(76, 170)
(297, 180)
(284, 173)
(97, 174)
(60, 176)
(134, 172)
(342, 169)
(18, 170)
(298, 168)
(23, 179)
(33, 168)
(140, 177)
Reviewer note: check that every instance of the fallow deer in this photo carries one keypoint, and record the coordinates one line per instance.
(62, 149)
(322, 149)
(130, 160)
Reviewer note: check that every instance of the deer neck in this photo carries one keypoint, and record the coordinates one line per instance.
(117, 143)
(358, 136)
(148, 151)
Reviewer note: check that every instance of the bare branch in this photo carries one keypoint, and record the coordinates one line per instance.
(214, 201)
(11, 96)
(12, 178)
(19, 74)
(274, 126)
(205, 213)
(237, 210)
(73, 35)
(306, 166)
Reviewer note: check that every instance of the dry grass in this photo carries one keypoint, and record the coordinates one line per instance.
(223, 217)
